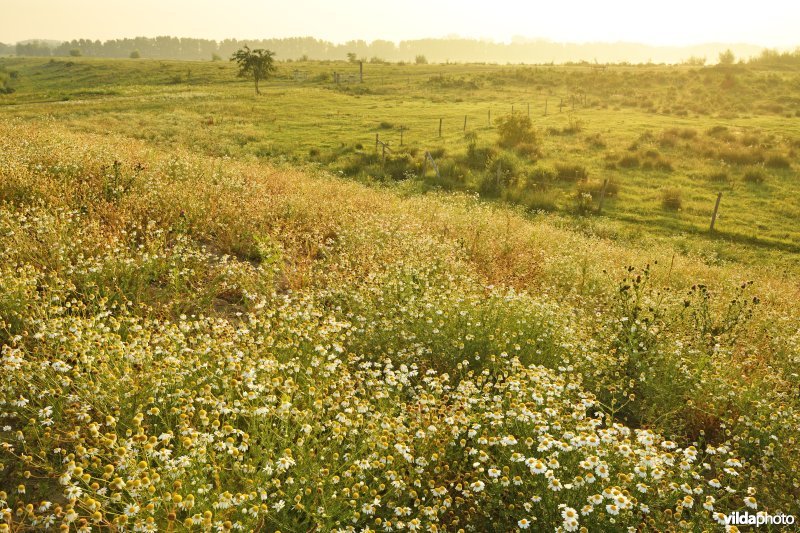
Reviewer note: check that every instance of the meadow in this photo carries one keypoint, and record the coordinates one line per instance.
(227, 312)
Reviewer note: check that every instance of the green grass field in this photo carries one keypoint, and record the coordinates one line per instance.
(225, 311)
(645, 129)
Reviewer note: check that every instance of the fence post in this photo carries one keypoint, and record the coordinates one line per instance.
(602, 196)
(716, 208)
(440, 128)
(433, 164)
(490, 118)
(376, 142)
(401, 135)
(465, 123)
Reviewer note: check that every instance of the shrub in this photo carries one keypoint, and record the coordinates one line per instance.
(506, 162)
(671, 199)
(400, 166)
(135, 55)
(421, 60)
(571, 172)
(514, 130)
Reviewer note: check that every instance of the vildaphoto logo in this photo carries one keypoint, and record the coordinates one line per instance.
(758, 519)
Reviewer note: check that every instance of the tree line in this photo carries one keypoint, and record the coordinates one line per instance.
(434, 50)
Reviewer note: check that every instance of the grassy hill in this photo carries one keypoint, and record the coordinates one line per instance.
(199, 335)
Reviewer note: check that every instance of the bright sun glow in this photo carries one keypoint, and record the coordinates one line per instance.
(769, 23)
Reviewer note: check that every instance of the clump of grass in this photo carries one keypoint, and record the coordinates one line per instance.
(571, 172)
(385, 125)
(628, 161)
(596, 141)
(778, 161)
(754, 175)
(721, 133)
(529, 150)
(739, 156)
(671, 199)
(718, 176)
(595, 188)
(535, 199)
(541, 175)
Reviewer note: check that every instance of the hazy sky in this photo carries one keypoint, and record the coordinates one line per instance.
(771, 23)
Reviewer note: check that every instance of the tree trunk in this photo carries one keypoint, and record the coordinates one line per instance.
(256, 79)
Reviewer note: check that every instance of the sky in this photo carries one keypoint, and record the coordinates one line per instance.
(771, 23)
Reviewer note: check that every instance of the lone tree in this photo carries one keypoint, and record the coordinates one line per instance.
(257, 63)
(726, 58)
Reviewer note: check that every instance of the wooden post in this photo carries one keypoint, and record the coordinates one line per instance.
(490, 118)
(433, 164)
(383, 157)
(465, 123)
(440, 128)
(602, 196)
(401, 134)
(560, 104)
(716, 208)
(376, 142)
(361, 71)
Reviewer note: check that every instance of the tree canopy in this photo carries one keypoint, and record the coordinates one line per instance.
(257, 64)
